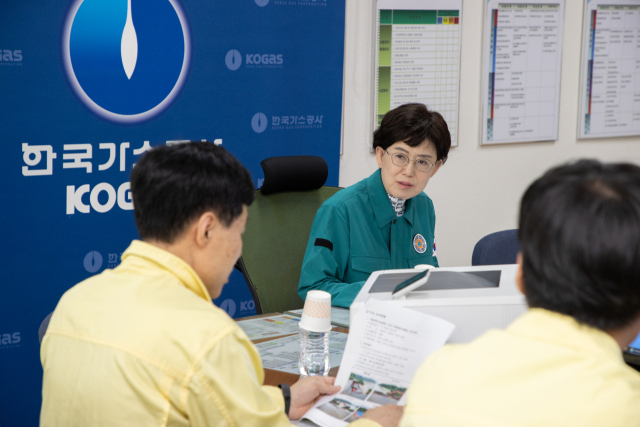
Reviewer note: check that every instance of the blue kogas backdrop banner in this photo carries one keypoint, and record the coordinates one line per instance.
(89, 86)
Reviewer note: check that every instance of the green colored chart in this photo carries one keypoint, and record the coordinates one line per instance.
(418, 60)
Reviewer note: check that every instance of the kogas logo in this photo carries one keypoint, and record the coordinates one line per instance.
(10, 57)
(92, 261)
(264, 59)
(9, 340)
(247, 305)
(233, 60)
(229, 306)
(263, 3)
(114, 260)
(259, 122)
(102, 198)
(127, 60)
(38, 159)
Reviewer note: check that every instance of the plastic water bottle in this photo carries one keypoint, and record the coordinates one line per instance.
(315, 327)
(314, 353)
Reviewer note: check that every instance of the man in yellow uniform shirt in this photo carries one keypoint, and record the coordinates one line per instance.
(560, 364)
(142, 344)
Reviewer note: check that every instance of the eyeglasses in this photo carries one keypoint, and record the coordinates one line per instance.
(402, 160)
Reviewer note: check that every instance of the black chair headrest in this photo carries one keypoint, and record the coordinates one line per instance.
(293, 173)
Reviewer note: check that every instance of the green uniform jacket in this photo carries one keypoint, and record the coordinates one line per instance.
(356, 232)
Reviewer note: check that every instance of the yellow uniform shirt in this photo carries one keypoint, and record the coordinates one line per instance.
(544, 370)
(143, 345)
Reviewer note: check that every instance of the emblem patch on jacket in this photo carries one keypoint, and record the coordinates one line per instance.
(419, 243)
(434, 247)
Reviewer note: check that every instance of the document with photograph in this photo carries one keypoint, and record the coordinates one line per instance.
(386, 346)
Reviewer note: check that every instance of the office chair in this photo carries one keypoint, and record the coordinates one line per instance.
(278, 227)
(496, 248)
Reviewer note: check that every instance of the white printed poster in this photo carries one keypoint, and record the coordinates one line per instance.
(610, 77)
(521, 71)
(418, 57)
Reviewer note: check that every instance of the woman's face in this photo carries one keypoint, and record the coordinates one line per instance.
(405, 182)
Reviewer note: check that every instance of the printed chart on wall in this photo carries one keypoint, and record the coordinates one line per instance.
(418, 57)
(521, 73)
(610, 78)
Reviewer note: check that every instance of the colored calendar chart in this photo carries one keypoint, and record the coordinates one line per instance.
(418, 58)
(610, 78)
(521, 73)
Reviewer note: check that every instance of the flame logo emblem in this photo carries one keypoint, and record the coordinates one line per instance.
(419, 243)
(233, 60)
(126, 60)
(259, 122)
(129, 45)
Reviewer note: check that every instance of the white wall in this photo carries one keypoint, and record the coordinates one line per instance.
(478, 190)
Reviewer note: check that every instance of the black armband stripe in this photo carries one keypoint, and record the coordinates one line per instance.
(324, 243)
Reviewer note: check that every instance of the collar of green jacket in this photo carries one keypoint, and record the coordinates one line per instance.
(381, 205)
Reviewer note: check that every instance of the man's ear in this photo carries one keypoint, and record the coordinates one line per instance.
(520, 275)
(205, 228)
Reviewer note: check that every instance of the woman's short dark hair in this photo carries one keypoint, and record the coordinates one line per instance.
(580, 240)
(173, 185)
(413, 124)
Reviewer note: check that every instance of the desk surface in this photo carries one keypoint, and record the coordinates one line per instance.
(272, 377)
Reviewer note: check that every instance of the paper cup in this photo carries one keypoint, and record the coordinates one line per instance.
(316, 314)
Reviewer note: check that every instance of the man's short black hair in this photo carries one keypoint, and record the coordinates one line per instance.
(173, 185)
(580, 241)
(413, 124)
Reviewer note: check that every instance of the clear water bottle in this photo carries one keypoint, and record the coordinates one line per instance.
(315, 327)
(314, 353)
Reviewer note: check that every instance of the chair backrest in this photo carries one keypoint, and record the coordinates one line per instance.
(43, 326)
(496, 248)
(278, 227)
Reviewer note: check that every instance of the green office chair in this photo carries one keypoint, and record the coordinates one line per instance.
(278, 229)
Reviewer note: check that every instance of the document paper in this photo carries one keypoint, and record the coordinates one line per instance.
(271, 326)
(283, 354)
(386, 346)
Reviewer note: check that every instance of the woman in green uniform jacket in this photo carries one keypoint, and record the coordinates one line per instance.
(384, 221)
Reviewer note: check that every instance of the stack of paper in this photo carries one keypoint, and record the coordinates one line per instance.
(386, 346)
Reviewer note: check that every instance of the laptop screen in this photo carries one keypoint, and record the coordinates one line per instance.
(634, 347)
(440, 280)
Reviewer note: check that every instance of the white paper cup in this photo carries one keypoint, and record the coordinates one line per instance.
(316, 314)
